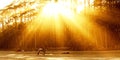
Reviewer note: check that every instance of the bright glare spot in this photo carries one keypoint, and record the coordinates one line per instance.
(30, 58)
(55, 58)
(11, 55)
(20, 57)
(115, 59)
(91, 1)
(4, 3)
(0, 25)
(18, 21)
(56, 9)
(80, 8)
(51, 9)
(11, 23)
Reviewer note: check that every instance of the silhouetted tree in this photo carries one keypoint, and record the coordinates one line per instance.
(13, 18)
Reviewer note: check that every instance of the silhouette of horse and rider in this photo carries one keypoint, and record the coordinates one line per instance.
(43, 50)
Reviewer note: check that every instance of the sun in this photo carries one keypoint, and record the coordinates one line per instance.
(4, 3)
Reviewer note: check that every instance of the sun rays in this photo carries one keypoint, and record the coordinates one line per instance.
(51, 25)
(57, 23)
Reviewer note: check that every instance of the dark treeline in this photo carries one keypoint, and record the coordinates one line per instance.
(107, 3)
(10, 39)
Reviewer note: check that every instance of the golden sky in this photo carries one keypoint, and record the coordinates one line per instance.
(4, 3)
